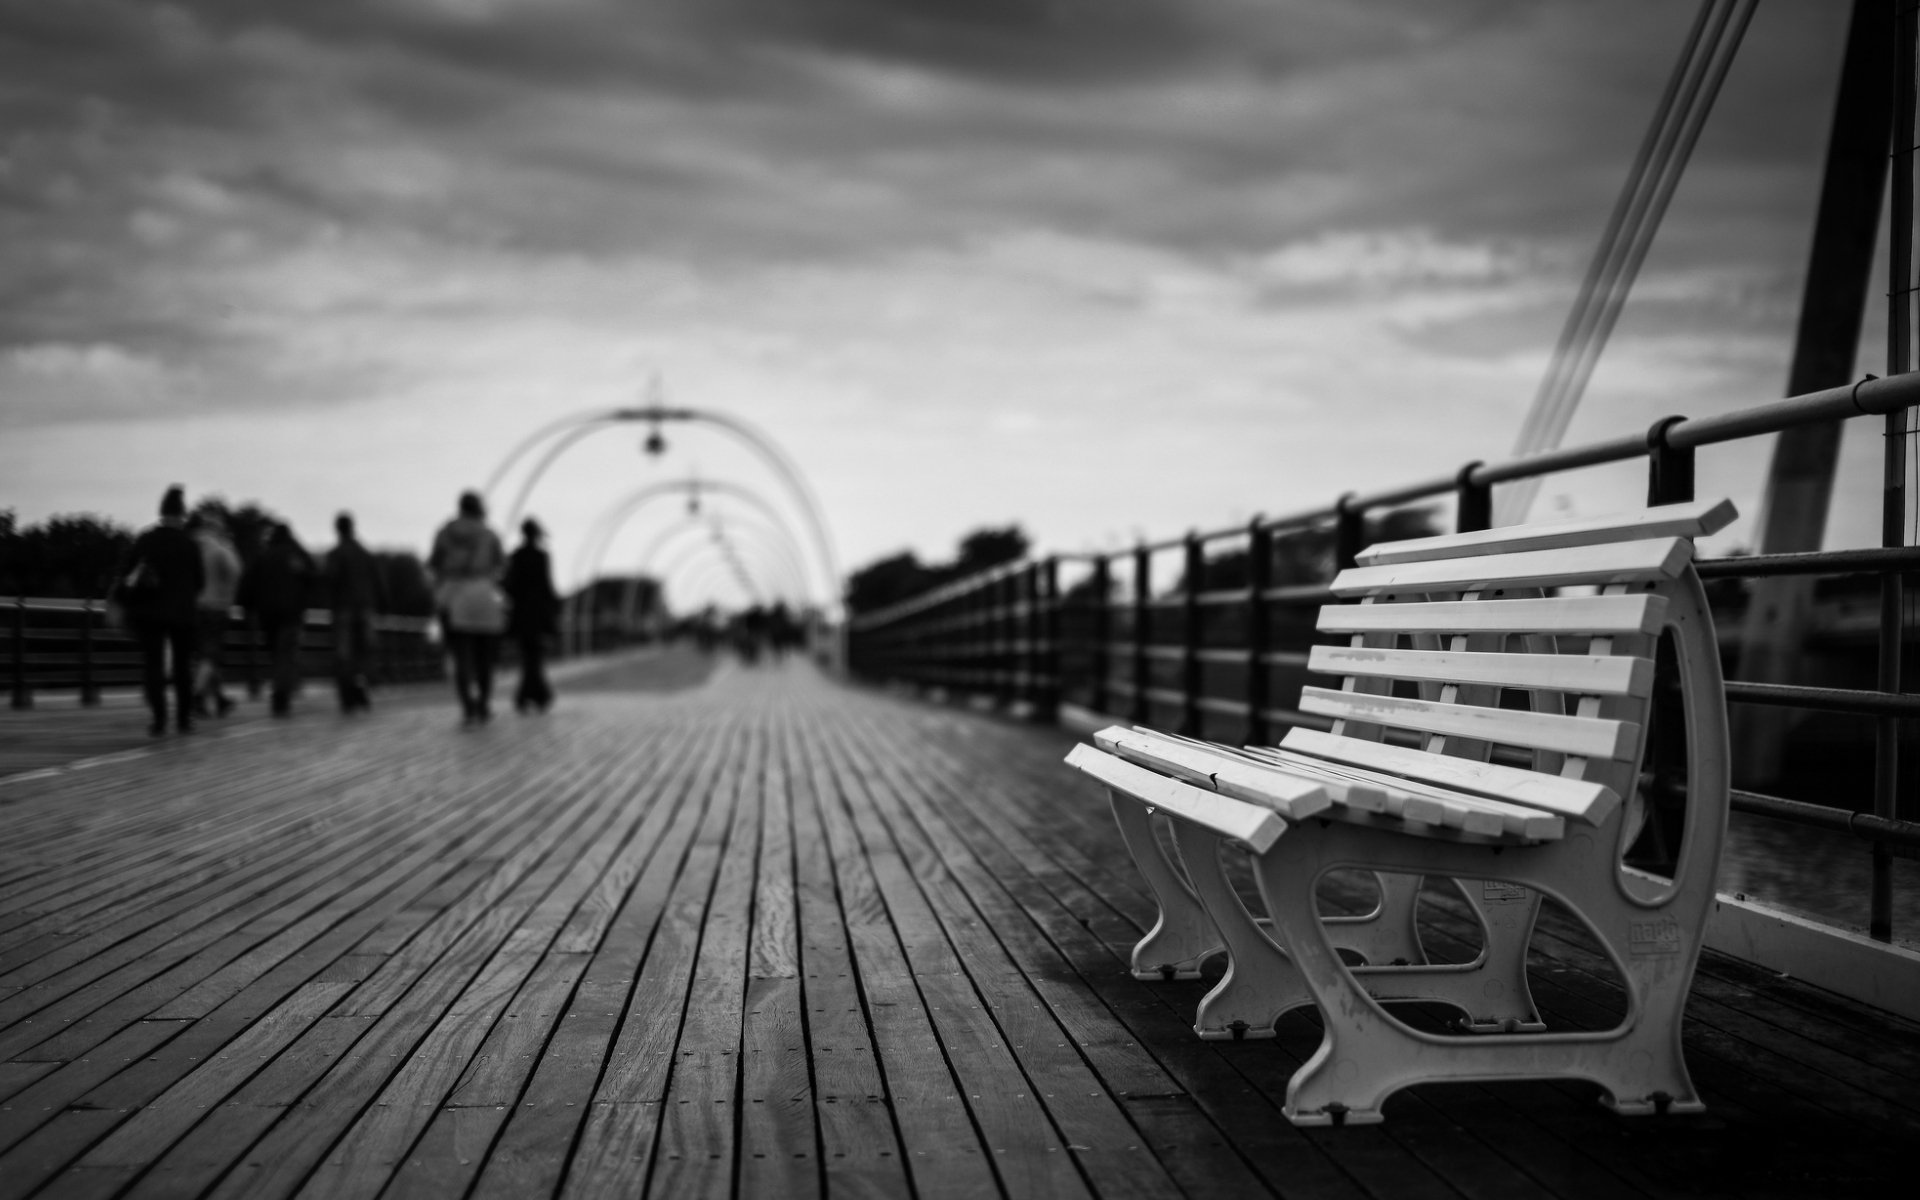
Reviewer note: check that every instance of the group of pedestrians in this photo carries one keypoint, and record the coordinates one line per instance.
(183, 576)
(482, 593)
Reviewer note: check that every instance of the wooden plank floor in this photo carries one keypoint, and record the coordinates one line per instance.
(760, 934)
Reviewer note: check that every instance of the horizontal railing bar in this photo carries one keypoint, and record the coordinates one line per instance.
(1871, 561)
(1847, 700)
(1900, 837)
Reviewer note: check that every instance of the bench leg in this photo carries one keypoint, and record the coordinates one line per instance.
(1492, 989)
(1260, 984)
(1366, 1055)
(1387, 936)
(1184, 937)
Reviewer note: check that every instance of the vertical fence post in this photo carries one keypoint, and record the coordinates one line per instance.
(1051, 661)
(1259, 579)
(89, 687)
(1102, 632)
(1473, 507)
(22, 694)
(1196, 570)
(1886, 731)
(1669, 468)
(1142, 614)
(1349, 532)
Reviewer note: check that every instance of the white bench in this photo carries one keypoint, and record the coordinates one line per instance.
(1411, 786)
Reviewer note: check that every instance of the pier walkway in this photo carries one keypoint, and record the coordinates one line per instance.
(754, 933)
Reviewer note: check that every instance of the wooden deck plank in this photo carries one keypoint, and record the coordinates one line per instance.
(945, 1155)
(556, 1099)
(886, 936)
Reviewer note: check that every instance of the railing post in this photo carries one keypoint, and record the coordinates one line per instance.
(1349, 532)
(1473, 508)
(1046, 658)
(1669, 468)
(1142, 614)
(22, 694)
(1102, 631)
(1886, 731)
(1259, 579)
(1196, 569)
(89, 689)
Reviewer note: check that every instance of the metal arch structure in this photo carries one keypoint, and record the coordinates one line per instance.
(610, 522)
(568, 431)
(792, 568)
(697, 552)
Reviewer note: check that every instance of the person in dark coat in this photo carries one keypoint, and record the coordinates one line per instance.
(355, 592)
(533, 615)
(275, 590)
(466, 563)
(158, 589)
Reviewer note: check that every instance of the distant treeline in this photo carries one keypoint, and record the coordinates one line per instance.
(903, 576)
(76, 555)
(1299, 556)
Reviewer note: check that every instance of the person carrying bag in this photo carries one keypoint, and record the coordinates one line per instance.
(466, 562)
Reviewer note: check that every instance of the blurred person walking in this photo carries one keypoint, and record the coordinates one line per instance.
(157, 590)
(533, 615)
(356, 593)
(220, 564)
(276, 590)
(466, 563)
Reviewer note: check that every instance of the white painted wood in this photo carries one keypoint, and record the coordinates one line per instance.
(1570, 615)
(1589, 737)
(1616, 562)
(1593, 674)
(1852, 964)
(1574, 799)
(1692, 520)
(1259, 827)
(1426, 804)
(1345, 792)
(1218, 769)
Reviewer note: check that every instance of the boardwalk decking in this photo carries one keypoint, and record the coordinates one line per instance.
(765, 935)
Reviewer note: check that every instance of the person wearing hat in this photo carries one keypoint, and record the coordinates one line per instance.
(533, 616)
(158, 589)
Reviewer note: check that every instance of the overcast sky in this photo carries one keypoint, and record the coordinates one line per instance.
(1100, 267)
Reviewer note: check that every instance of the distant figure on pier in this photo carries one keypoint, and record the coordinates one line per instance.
(466, 563)
(276, 590)
(220, 563)
(355, 592)
(533, 617)
(157, 589)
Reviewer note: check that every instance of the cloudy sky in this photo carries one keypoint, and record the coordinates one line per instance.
(1101, 267)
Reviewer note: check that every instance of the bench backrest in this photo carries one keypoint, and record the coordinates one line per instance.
(1451, 633)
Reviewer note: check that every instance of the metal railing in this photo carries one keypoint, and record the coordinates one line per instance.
(1223, 652)
(57, 645)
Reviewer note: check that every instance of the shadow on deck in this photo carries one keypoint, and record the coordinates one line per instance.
(759, 934)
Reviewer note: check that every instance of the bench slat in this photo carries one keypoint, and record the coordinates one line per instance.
(1591, 674)
(1696, 519)
(1596, 615)
(1591, 737)
(1616, 562)
(1217, 768)
(1576, 799)
(1424, 804)
(1256, 825)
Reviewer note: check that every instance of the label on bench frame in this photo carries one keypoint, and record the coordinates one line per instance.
(1653, 937)
(1495, 891)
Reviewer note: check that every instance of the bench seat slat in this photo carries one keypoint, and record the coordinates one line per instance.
(1576, 799)
(1594, 615)
(1615, 562)
(1424, 804)
(1259, 827)
(1591, 737)
(1697, 518)
(1217, 768)
(1589, 674)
